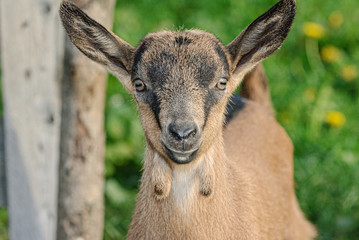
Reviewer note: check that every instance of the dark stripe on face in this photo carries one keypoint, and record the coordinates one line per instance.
(206, 72)
(160, 69)
(155, 104)
(222, 56)
(138, 56)
(214, 95)
(209, 101)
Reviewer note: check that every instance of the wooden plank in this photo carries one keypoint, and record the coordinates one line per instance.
(2, 168)
(32, 40)
(82, 137)
(2, 159)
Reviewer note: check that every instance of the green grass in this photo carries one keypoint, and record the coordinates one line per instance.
(304, 90)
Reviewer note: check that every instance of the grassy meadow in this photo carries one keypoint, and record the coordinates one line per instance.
(314, 85)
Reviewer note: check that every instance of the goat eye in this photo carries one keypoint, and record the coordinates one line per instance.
(222, 83)
(139, 85)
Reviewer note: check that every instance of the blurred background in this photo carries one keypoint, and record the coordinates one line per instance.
(314, 85)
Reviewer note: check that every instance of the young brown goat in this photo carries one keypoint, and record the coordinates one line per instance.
(207, 174)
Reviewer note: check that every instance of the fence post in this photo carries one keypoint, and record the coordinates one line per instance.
(31, 53)
(81, 205)
(2, 153)
(2, 167)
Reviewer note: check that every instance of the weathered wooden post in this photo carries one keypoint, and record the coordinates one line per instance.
(2, 167)
(2, 159)
(53, 123)
(82, 137)
(31, 54)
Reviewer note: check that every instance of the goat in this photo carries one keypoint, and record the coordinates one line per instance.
(217, 166)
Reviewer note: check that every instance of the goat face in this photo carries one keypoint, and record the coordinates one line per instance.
(180, 78)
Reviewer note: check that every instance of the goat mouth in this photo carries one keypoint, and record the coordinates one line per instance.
(180, 157)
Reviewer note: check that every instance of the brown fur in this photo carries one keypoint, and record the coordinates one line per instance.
(255, 88)
(238, 183)
(253, 190)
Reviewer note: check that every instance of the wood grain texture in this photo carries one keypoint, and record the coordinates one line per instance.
(2, 167)
(31, 48)
(81, 205)
(2, 153)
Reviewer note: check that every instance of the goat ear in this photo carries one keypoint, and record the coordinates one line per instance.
(97, 43)
(261, 38)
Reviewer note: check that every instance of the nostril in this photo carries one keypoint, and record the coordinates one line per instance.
(189, 132)
(173, 131)
(182, 132)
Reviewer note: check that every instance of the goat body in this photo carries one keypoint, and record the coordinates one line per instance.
(216, 166)
(252, 183)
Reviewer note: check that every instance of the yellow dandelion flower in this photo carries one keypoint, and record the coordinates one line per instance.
(310, 94)
(349, 73)
(330, 53)
(335, 118)
(313, 30)
(336, 19)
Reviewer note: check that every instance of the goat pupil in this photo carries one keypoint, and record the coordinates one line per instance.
(222, 84)
(139, 85)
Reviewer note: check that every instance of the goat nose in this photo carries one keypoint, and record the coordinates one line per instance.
(182, 131)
